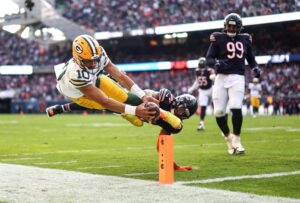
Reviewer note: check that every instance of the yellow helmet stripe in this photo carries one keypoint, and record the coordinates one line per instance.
(91, 45)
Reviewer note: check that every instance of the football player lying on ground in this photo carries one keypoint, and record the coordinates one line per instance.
(172, 110)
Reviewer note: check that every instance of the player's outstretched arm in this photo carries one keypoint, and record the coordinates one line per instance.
(128, 83)
(95, 94)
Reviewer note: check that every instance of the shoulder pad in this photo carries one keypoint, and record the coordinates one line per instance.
(214, 36)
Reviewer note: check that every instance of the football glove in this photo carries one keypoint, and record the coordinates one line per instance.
(221, 65)
(256, 72)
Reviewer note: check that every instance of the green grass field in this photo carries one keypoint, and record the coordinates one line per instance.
(109, 145)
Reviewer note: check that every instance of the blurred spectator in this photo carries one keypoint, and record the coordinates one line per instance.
(125, 15)
(280, 81)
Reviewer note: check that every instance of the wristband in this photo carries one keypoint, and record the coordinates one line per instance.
(137, 91)
(130, 109)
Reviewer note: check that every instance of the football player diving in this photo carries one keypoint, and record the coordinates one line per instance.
(81, 80)
(172, 110)
(227, 53)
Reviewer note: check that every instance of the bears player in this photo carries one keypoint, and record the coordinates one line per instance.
(203, 83)
(81, 80)
(255, 95)
(227, 53)
(183, 107)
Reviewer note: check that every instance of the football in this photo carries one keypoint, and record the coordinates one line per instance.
(156, 109)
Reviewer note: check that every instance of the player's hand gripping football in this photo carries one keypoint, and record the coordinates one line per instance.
(147, 112)
(148, 98)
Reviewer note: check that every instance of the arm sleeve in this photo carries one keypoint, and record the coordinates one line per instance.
(193, 87)
(212, 51)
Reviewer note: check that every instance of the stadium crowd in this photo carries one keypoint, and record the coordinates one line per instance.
(280, 81)
(18, 51)
(97, 15)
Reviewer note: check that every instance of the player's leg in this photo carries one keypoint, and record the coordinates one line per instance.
(220, 98)
(115, 91)
(203, 102)
(236, 95)
(59, 109)
(108, 86)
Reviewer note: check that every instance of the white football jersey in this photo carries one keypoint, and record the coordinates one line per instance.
(255, 89)
(70, 76)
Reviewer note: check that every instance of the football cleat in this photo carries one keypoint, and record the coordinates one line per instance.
(201, 127)
(54, 110)
(239, 149)
(229, 141)
(134, 120)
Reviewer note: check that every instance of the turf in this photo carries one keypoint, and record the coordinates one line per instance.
(109, 145)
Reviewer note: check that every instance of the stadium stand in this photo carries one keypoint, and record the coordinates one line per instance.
(33, 92)
(105, 15)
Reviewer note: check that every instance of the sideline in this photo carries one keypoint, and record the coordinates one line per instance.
(31, 184)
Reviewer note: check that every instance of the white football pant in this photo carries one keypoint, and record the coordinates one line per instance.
(228, 89)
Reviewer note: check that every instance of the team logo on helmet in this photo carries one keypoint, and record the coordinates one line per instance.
(78, 48)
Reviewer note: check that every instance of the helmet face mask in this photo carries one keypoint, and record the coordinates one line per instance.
(232, 24)
(202, 63)
(86, 53)
(184, 106)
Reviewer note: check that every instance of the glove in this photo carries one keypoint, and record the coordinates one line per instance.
(221, 65)
(256, 72)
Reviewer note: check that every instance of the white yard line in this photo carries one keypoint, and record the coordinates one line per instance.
(136, 148)
(22, 159)
(99, 167)
(56, 163)
(217, 180)
(30, 184)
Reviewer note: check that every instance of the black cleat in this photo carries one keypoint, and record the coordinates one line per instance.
(53, 110)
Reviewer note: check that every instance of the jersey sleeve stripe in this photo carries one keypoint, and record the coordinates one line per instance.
(79, 84)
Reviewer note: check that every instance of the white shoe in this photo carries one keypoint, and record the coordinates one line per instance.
(201, 127)
(239, 149)
(229, 141)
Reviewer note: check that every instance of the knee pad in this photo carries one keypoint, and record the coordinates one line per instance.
(219, 113)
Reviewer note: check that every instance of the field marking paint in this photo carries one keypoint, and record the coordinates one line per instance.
(96, 125)
(99, 167)
(56, 163)
(53, 185)
(286, 128)
(136, 148)
(2, 122)
(22, 159)
(140, 174)
(218, 180)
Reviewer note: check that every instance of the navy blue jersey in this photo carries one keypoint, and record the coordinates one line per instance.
(203, 78)
(166, 102)
(234, 50)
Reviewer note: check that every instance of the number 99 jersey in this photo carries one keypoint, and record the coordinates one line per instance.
(70, 76)
(233, 50)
